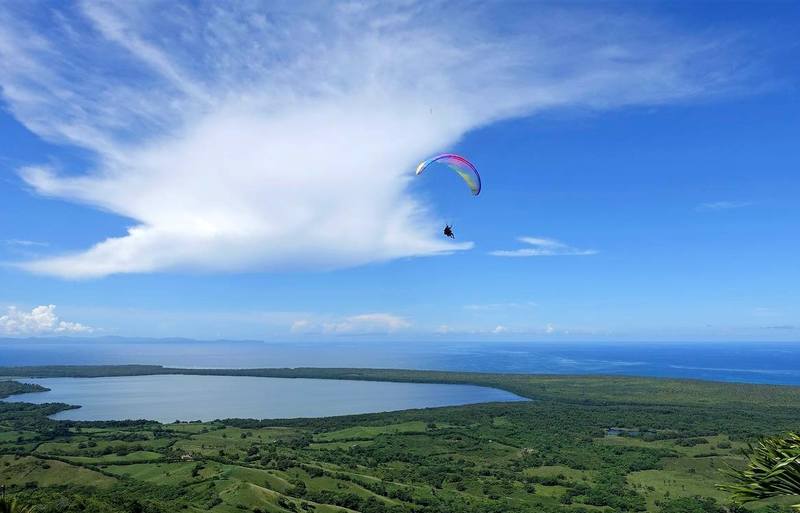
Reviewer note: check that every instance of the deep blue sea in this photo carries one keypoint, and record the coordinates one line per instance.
(776, 363)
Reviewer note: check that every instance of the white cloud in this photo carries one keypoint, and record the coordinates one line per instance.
(716, 206)
(763, 311)
(542, 247)
(517, 331)
(500, 306)
(42, 320)
(240, 139)
(370, 323)
(361, 324)
(302, 326)
(447, 329)
(24, 243)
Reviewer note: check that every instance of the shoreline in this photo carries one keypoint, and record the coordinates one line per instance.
(582, 388)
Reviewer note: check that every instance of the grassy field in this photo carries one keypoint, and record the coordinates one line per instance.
(553, 454)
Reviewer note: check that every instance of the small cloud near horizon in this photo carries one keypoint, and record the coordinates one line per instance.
(446, 329)
(361, 324)
(41, 320)
(443, 329)
(24, 243)
(502, 329)
(716, 206)
(764, 311)
(499, 306)
(540, 246)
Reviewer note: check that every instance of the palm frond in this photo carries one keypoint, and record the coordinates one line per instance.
(14, 506)
(772, 470)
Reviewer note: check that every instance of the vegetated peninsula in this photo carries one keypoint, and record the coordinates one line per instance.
(583, 444)
(9, 387)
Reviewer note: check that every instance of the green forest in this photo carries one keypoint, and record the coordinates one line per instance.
(581, 444)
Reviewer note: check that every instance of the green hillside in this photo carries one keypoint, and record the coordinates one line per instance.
(583, 444)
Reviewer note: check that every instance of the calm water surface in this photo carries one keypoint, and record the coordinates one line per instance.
(168, 398)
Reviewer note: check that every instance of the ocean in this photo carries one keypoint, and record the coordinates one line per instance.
(773, 363)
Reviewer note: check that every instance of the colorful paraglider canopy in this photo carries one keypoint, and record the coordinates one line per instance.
(460, 165)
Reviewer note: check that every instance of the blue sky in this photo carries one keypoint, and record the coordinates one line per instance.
(253, 176)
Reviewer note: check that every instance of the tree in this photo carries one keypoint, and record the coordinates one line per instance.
(773, 470)
(691, 505)
(12, 506)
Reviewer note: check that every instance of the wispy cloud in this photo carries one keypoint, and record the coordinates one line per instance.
(447, 329)
(284, 138)
(504, 330)
(539, 246)
(370, 323)
(362, 324)
(24, 243)
(763, 311)
(716, 206)
(443, 329)
(500, 306)
(302, 326)
(41, 320)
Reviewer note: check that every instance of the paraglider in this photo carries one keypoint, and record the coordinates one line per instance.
(465, 169)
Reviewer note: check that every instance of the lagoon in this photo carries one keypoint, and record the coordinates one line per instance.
(166, 398)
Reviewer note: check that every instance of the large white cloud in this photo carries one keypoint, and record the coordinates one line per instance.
(283, 138)
(41, 320)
